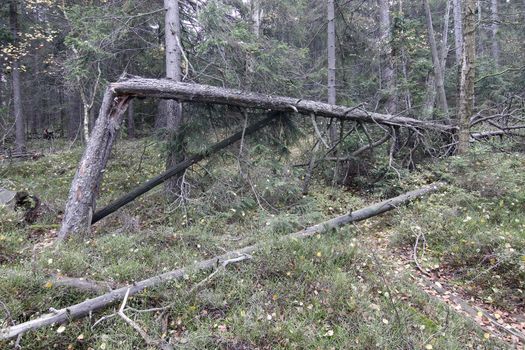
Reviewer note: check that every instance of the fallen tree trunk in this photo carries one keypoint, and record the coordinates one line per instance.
(88, 306)
(493, 133)
(169, 89)
(177, 169)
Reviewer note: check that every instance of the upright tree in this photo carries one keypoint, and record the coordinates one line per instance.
(466, 83)
(458, 30)
(388, 78)
(494, 29)
(20, 137)
(436, 61)
(331, 61)
(174, 116)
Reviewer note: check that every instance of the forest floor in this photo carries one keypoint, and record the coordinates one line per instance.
(357, 287)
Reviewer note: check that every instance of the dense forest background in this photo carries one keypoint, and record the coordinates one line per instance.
(57, 56)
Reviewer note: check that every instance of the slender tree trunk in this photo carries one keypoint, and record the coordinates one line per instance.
(388, 78)
(256, 15)
(444, 43)
(20, 137)
(438, 71)
(466, 83)
(174, 117)
(404, 64)
(430, 96)
(130, 120)
(62, 111)
(74, 119)
(331, 63)
(458, 31)
(494, 28)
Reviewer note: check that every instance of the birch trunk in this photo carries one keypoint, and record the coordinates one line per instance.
(174, 118)
(466, 83)
(438, 71)
(331, 63)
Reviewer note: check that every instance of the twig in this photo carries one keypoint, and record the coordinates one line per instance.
(161, 344)
(414, 255)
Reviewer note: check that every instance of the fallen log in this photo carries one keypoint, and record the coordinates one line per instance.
(494, 133)
(178, 169)
(88, 306)
(169, 89)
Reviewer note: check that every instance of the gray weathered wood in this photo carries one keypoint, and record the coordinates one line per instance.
(81, 200)
(168, 89)
(88, 306)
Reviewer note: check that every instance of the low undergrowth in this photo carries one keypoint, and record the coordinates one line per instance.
(474, 230)
(325, 292)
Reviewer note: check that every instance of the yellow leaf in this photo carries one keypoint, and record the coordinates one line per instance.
(48, 284)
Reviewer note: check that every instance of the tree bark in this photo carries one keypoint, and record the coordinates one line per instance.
(438, 71)
(174, 118)
(444, 43)
(85, 186)
(388, 78)
(140, 87)
(91, 305)
(20, 137)
(466, 83)
(331, 52)
(494, 28)
(458, 31)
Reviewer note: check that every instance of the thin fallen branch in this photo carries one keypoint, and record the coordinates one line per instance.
(89, 306)
(159, 343)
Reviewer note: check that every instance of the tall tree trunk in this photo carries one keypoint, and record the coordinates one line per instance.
(256, 16)
(331, 63)
(438, 71)
(466, 83)
(458, 31)
(173, 108)
(388, 78)
(20, 137)
(444, 43)
(494, 28)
